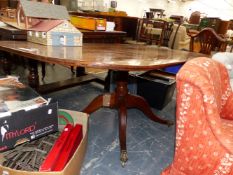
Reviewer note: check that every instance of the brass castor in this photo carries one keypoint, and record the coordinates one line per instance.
(124, 158)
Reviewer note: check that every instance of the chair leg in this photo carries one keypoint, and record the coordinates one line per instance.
(43, 70)
(72, 69)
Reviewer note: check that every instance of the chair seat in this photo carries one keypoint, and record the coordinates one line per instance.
(155, 31)
(135, 42)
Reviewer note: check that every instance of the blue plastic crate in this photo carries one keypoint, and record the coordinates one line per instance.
(173, 69)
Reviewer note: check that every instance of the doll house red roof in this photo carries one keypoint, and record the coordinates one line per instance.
(43, 10)
(46, 25)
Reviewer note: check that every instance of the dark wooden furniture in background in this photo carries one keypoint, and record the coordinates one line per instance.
(231, 24)
(103, 36)
(127, 24)
(167, 33)
(143, 31)
(206, 41)
(12, 3)
(146, 28)
(213, 23)
(157, 13)
(220, 26)
(155, 38)
(195, 17)
(223, 27)
(4, 3)
(121, 58)
(177, 19)
(10, 33)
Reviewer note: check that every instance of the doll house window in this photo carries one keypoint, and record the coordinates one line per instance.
(66, 24)
(43, 34)
(62, 40)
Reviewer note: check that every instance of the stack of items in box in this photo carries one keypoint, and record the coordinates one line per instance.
(63, 149)
(30, 155)
(49, 153)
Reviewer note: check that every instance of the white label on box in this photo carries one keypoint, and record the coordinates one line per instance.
(5, 173)
(50, 111)
(33, 137)
(100, 28)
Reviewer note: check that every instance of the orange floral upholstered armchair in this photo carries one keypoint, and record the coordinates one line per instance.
(204, 123)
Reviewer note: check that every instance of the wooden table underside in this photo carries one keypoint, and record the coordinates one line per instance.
(121, 58)
(8, 61)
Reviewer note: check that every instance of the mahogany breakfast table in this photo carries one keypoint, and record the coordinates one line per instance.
(121, 58)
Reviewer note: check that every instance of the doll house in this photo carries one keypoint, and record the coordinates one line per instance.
(55, 32)
(47, 24)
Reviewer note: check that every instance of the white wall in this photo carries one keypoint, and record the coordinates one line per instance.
(213, 8)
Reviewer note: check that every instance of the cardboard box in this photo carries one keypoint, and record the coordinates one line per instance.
(23, 126)
(24, 114)
(88, 23)
(74, 165)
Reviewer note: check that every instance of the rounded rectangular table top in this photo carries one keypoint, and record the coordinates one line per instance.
(108, 56)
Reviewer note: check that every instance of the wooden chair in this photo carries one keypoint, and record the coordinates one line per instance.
(167, 33)
(141, 34)
(157, 33)
(151, 31)
(206, 41)
(144, 28)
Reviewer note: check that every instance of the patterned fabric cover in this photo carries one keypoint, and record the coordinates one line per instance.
(204, 125)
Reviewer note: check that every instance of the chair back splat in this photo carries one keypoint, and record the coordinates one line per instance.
(206, 41)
